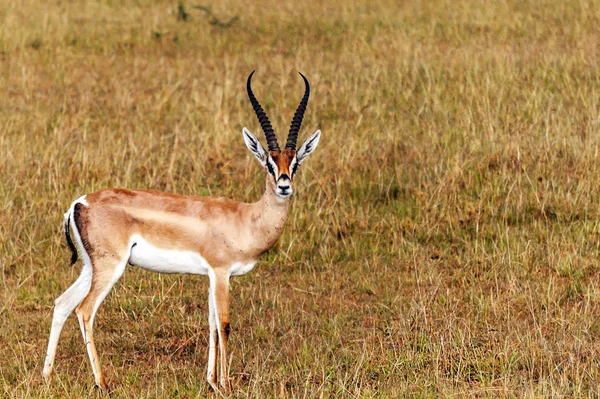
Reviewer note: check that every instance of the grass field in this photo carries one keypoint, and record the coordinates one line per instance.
(443, 240)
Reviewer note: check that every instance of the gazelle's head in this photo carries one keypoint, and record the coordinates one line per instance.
(281, 166)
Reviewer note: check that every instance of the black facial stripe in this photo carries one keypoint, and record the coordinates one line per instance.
(295, 168)
(270, 168)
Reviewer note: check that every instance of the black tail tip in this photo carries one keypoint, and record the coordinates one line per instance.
(70, 243)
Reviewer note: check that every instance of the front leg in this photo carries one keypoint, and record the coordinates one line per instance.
(219, 329)
(213, 340)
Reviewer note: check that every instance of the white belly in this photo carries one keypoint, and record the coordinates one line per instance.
(147, 256)
(239, 269)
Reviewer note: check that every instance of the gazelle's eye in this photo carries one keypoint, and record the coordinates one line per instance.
(270, 168)
(295, 168)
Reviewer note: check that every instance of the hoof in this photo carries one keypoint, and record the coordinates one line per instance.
(211, 378)
(48, 373)
(103, 387)
(213, 385)
(226, 385)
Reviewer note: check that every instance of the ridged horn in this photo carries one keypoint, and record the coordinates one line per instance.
(298, 115)
(262, 117)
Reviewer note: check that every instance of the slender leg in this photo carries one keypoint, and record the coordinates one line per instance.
(63, 306)
(106, 274)
(218, 300)
(211, 374)
(221, 296)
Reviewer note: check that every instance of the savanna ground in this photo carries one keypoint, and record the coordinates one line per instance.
(444, 238)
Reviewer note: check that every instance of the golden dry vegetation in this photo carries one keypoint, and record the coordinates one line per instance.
(443, 240)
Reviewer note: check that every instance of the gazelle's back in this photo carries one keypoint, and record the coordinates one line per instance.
(144, 223)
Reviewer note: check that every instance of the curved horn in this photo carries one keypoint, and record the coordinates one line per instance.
(262, 117)
(298, 115)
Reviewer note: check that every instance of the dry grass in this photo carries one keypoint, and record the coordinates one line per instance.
(444, 240)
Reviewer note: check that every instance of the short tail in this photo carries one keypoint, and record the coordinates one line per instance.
(69, 240)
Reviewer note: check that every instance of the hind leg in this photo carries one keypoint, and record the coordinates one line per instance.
(106, 273)
(63, 306)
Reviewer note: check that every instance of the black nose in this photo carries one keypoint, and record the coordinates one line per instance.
(284, 188)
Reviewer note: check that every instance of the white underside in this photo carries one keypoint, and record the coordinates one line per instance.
(239, 268)
(161, 260)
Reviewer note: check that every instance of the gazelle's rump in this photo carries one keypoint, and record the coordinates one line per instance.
(64, 305)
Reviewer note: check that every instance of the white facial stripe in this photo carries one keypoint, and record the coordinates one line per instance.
(294, 167)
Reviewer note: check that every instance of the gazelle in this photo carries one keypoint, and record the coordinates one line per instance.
(169, 233)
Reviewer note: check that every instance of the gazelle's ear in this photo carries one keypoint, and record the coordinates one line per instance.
(255, 147)
(305, 150)
(308, 147)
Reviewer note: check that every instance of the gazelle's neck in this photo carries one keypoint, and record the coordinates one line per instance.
(269, 215)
